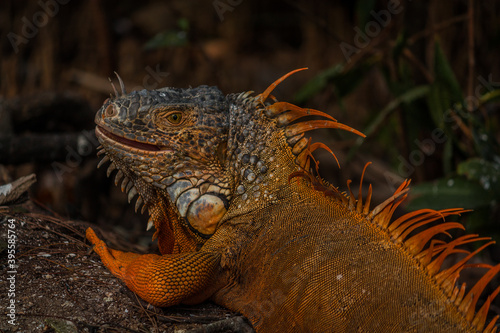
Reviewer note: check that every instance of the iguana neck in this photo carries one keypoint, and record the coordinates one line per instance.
(258, 156)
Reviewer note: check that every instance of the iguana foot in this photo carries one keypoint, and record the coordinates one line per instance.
(116, 261)
(160, 280)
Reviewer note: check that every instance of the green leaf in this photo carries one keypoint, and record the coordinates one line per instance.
(183, 24)
(448, 157)
(170, 38)
(401, 44)
(363, 8)
(344, 82)
(317, 83)
(450, 192)
(445, 90)
(486, 173)
(438, 104)
(490, 96)
(407, 97)
(444, 75)
(167, 39)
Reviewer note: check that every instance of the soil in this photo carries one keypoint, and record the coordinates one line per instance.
(62, 286)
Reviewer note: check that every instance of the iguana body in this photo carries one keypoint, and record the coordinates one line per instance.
(241, 219)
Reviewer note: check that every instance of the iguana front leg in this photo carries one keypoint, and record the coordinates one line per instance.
(160, 280)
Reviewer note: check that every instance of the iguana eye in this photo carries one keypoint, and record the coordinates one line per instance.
(175, 118)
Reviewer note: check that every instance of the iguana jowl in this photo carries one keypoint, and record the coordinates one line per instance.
(241, 219)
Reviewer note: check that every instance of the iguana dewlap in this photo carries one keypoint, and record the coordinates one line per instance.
(241, 219)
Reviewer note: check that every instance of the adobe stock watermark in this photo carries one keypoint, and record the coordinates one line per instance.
(30, 28)
(153, 79)
(222, 6)
(87, 142)
(11, 272)
(372, 29)
(427, 147)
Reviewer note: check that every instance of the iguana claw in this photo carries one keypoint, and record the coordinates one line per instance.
(116, 261)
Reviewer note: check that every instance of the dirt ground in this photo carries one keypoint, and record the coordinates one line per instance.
(60, 286)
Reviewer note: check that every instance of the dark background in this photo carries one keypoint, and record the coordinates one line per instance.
(396, 86)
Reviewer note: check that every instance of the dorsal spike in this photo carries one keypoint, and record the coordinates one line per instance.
(430, 216)
(318, 145)
(270, 89)
(468, 304)
(310, 125)
(460, 294)
(417, 242)
(445, 274)
(425, 257)
(406, 228)
(437, 246)
(288, 112)
(359, 207)
(114, 88)
(122, 85)
(352, 199)
(434, 266)
(491, 327)
(414, 216)
(383, 219)
(395, 198)
(310, 150)
(448, 277)
(366, 208)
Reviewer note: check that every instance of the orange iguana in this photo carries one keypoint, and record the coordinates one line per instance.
(242, 218)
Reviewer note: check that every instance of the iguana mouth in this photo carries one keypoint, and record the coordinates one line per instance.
(102, 132)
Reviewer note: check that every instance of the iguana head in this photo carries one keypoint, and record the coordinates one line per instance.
(172, 141)
(204, 151)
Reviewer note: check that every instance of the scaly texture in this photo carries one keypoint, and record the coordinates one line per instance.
(241, 217)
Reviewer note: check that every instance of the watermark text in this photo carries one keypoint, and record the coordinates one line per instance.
(12, 271)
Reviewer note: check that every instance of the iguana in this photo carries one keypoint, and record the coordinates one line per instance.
(243, 218)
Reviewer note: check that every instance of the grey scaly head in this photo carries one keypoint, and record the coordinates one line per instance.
(169, 143)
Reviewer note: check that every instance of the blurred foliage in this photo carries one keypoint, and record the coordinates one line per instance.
(470, 152)
(170, 38)
(344, 82)
(471, 156)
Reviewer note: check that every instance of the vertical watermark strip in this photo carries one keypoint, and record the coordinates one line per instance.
(12, 271)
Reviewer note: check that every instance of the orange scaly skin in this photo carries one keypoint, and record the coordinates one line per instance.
(160, 280)
(242, 219)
